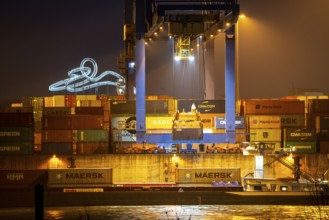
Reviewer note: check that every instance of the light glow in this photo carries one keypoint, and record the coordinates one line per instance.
(84, 78)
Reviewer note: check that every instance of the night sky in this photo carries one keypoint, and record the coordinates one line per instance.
(282, 44)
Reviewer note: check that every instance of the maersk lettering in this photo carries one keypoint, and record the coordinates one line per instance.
(84, 176)
(213, 175)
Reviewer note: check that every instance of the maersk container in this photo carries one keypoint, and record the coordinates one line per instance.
(16, 120)
(56, 111)
(319, 106)
(57, 122)
(299, 134)
(273, 107)
(80, 177)
(93, 136)
(89, 111)
(93, 148)
(220, 122)
(22, 178)
(57, 148)
(57, 136)
(202, 106)
(293, 121)
(16, 134)
(87, 122)
(264, 121)
(16, 148)
(202, 175)
(300, 146)
(265, 135)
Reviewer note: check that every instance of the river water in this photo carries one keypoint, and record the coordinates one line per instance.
(174, 212)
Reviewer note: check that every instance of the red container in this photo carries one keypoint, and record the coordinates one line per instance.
(57, 122)
(87, 122)
(272, 107)
(16, 119)
(57, 136)
(93, 148)
(70, 101)
(22, 178)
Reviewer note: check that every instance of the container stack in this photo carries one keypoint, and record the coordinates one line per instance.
(89, 133)
(265, 117)
(57, 134)
(319, 118)
(16, 133)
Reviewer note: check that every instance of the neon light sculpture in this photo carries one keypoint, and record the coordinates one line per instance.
(84, 78)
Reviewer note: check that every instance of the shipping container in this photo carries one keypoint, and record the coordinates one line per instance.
(265, 135)
(87, 122)
(89, 103)
(16, 134)
(220, 122)
(154, 122)
(37, 138)
(56, 111)
(70, 101)
(89, 111)
(38, 125)
(48, 102)
(264, 121)
(202, 106)
(59, 100)
(57, 148)
(323, 135)
(22, 178)
(57, 122)
(299, 134)
(16, 120)
(19, 109)
(93, 148)
(300, 146)
(192, 176)
(93, 135)
(151, 107)
(86, 97)
(321, 122)
(187, 134)
(269, 107)
(80, 177)
(57, 136)
(293, 121)
(16, 148)
(319, 106)
(323, 147)
(123, 135)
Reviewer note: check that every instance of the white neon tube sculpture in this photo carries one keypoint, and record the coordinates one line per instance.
(84, 78)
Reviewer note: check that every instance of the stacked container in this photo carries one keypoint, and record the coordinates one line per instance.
(300, 140)
(57, 135)
(16, 133)
(89, 133)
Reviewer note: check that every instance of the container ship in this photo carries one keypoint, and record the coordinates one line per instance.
(87, 143)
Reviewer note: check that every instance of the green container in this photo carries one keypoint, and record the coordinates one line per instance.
(301, 147)
(16, 148)
(16, 134)
(93, 136)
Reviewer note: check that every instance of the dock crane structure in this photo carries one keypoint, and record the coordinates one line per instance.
(187, 19)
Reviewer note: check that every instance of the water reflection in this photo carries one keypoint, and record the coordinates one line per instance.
(201, 212)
